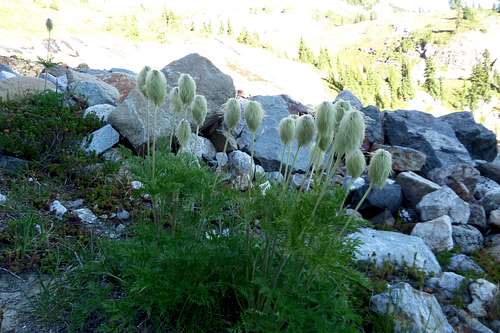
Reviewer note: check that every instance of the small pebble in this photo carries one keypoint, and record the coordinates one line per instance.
(58, 209)
(123, 215)
(136, 185)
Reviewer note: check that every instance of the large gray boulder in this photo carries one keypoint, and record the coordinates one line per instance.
(491, 200)
(467, 238)
(399, 249)
(448, 285)
(461, 172)
(373, 117)
(374, 132)
(412, 310)
(483, 295)
(211, 82)
(483, 186)
(437, 234)
(101, 140)
(423, 132)
(100, 111)
(91, 89)
(415, 187)
(19, 86)
(268, 146)
(477, 139)
(348, 96)
(130, 119)
(490, 170)
(388, 197)
(463, 322)
(404, 158)
(444, 202)
(463, 263)
(201, 147)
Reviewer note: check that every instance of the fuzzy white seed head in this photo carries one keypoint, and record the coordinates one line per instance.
(253, 115)
(351, 133)
(232, 113)
(141, 80)
(380, 168)
(175, 101)
(325, 141)
(49, 25)
(187, 88)
(305, 130)
(341, 109)
(156, 87)
(183, 133)
(325, 118)
(355, 163)
(287, 130)
(199, 109)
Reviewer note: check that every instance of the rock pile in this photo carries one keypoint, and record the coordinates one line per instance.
(444, 193)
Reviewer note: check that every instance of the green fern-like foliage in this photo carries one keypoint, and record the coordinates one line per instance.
(214, 262)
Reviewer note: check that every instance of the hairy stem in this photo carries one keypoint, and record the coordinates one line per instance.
(288, 179)
(325, 184)
(282, 157)
(364, 197)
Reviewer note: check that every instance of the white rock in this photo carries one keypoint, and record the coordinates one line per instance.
(494, 219)
(437, 234)
(3, 199)
(259, 171)
(136, 185)
(463, 263)
(86, 215)
(101, 111)
(101, 140)
(241, 163)
(274, 176)
(483, 293)
(444, 202)
(412, 310)
(58, 209)
(400, 249)
(201, 147)
(448, 284)
(6, 75)
(123, 215)
(467, 238)
(221, 159)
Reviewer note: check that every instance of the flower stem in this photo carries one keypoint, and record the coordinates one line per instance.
(288, 179)
(288, 161)
(325, 184)
(364, 197)
(282, 157)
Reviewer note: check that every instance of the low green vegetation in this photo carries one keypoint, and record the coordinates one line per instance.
(41, 128)
(219, 260)
(200, 255)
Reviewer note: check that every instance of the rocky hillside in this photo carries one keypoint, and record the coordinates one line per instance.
(428, 239)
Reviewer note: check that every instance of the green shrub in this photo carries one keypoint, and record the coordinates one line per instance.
(211, 258)
(38, 127)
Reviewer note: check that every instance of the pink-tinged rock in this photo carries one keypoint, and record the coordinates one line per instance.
(123, 82)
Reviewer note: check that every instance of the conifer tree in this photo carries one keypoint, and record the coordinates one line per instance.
(222, 29)
(229, 28)
(430, 84)
(393, 83)
(480, 82)
(406, 90)
(324, 59)
(305, 54)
